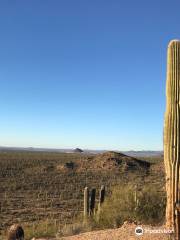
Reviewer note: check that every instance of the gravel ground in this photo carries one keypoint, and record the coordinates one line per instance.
(126, 232)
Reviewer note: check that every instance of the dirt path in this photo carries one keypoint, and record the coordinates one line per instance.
(126, 232)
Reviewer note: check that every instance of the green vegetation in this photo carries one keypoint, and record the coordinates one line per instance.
(46, 228)
(144, 205)
(126, 203)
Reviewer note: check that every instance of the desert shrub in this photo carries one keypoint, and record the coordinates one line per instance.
(73, 229)
(151, 207)
(148, 207)
(40, 229)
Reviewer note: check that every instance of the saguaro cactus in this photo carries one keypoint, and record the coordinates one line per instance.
(86, 202)
(16, 232)
(172, 134)
(136, 200)
(101, 197)
(92, 201)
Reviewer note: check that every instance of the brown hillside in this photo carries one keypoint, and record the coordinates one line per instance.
(113, 161)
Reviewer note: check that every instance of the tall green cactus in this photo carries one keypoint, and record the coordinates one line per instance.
(92, 201)
(102, 194)
(172, 134)
(86, 202)
(101, 197)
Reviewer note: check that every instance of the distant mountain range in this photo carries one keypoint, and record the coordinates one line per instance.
(64, 150)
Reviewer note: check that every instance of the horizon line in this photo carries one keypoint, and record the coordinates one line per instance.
(86, 149)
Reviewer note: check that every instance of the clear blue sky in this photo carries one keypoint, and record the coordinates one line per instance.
(84, 73)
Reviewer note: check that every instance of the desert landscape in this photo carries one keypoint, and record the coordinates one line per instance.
(90, 120)
(44, 191)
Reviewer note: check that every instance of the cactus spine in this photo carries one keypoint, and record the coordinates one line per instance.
(86, 202)
(172, 134)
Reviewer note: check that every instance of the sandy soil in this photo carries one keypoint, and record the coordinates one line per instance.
(126, 232)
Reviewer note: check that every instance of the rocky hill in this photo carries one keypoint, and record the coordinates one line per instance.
(107, 161)
(78, 150)
(113, 161)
